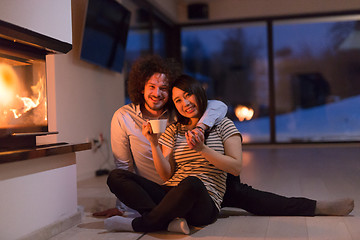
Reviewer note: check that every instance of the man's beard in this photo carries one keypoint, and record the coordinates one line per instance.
(156, 107)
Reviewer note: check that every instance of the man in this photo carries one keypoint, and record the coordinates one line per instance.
(149, 88)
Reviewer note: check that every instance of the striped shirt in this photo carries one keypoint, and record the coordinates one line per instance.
(190, 163)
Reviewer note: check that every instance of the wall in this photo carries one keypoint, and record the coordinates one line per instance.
(169, 8)
(40, 16)
(86, 98)
(230, 9)
(36, 194)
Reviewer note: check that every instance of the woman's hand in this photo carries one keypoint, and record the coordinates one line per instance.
(195, 139)
(148, 133)
(161, 154)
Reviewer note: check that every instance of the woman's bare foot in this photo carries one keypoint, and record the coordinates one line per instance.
(340, 207)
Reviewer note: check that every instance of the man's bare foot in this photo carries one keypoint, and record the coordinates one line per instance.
(341, 207)
(109, 213)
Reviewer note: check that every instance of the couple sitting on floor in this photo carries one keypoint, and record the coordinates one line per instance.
(191, 171)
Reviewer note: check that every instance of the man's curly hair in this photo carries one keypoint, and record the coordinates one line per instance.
(144, 68)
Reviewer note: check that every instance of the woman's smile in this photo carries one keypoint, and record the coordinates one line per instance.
(185, 103)
(190, 110)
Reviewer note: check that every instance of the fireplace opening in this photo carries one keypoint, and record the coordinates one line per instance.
(23, 92)
(23, 99)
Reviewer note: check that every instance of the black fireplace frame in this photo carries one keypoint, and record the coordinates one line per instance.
(28, 37)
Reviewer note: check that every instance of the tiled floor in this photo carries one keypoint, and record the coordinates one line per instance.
(322, 173)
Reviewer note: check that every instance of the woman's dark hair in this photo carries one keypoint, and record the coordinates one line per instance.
(193, 87)
(144, 68)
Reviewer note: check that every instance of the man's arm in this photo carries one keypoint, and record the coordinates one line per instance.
(120, 144)
(214, 113)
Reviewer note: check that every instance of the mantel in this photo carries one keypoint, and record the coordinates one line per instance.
(42, 151)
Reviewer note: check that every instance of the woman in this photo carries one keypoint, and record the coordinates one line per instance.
(194, 172)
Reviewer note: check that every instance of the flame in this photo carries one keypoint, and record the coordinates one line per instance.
(13, 100)
(9, 85)
(244, 113)
(30, 103)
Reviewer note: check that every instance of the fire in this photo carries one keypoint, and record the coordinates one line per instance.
(9, 85)
(13, 100)
(29, 103)
(244, 113)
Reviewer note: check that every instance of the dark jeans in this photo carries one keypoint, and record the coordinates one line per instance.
(262, 203)
(158, 204)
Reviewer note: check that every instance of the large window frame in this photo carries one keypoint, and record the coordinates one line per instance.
(269, 21)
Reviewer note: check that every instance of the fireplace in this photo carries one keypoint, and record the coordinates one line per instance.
(32, 177)
(23, 95)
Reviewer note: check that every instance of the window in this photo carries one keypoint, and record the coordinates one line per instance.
(159, 34)
(316, 76)
(231, 61)
(317, 79)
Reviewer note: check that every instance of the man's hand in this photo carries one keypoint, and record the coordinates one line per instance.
(109, 213)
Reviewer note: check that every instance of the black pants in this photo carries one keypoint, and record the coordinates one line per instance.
(262, 203)
(159, 204)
